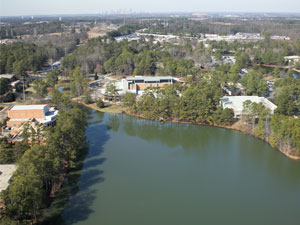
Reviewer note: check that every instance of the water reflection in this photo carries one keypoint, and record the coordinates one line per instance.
(232, 145)
(113, 123)
(171, 134)
(154, 169)
(77, 194)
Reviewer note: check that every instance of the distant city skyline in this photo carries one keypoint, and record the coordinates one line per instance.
(56, 7)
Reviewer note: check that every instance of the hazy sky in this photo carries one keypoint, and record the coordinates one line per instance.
(49, 7)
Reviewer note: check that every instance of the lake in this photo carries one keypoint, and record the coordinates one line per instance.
(141, 172)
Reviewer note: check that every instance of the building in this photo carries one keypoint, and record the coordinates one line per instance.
(19, 114)
(8, 41)
(7, 76)
(283, 38)
(14, 85)
(236, 103)
(228, 59)
(294, 59)
(243, 72)
(140, 83)
(6, 172)
(56, 65)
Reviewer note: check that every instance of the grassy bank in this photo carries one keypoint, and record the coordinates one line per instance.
(115, 109)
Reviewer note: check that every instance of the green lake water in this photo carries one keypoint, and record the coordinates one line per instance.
(141, 172)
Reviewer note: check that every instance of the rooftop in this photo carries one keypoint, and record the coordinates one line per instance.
(14, 83)
(236, 102)
(8, 76)
(292, 57)
(28, 107)
(6, 172)
(149, 78)
(49, 116)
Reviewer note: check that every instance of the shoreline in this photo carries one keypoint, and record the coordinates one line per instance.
(234, 126)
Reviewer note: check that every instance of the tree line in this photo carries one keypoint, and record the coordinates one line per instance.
(279, 130)
(104, 55)
(184, 26)
(14, 30)
(199, 102)
(21, 57)
(125, 30)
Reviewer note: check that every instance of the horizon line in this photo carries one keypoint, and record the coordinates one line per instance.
(149, 12)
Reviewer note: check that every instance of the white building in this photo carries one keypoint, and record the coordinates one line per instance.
(7, 76)
(236, 103)
(138, 84)
(6, 172)
(292, 59)
(283, 38)
(228, 59)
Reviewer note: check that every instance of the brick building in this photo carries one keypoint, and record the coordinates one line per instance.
(19, 114)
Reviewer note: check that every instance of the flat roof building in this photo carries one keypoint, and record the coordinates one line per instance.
(292, 59)
(140, 83)
(236, 103)
(19, 114)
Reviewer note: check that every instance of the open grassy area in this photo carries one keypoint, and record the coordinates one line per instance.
(116, 109)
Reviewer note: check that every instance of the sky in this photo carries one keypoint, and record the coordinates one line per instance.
(54, 7)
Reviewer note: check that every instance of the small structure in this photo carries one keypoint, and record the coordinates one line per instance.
(19, 114)
(283, 38)
(243, 72)
(292, 59)
(56, 65)
(14, 85)
(236, 103)
(6, 172)
(7, 76)
(228, 59)
(140, 83)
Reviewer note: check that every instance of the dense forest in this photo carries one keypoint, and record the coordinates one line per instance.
(21, 57)
(57, 46)
(32, 53)
(198, 102)
(105, 55)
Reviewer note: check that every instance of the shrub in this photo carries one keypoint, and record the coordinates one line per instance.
(100, 103)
